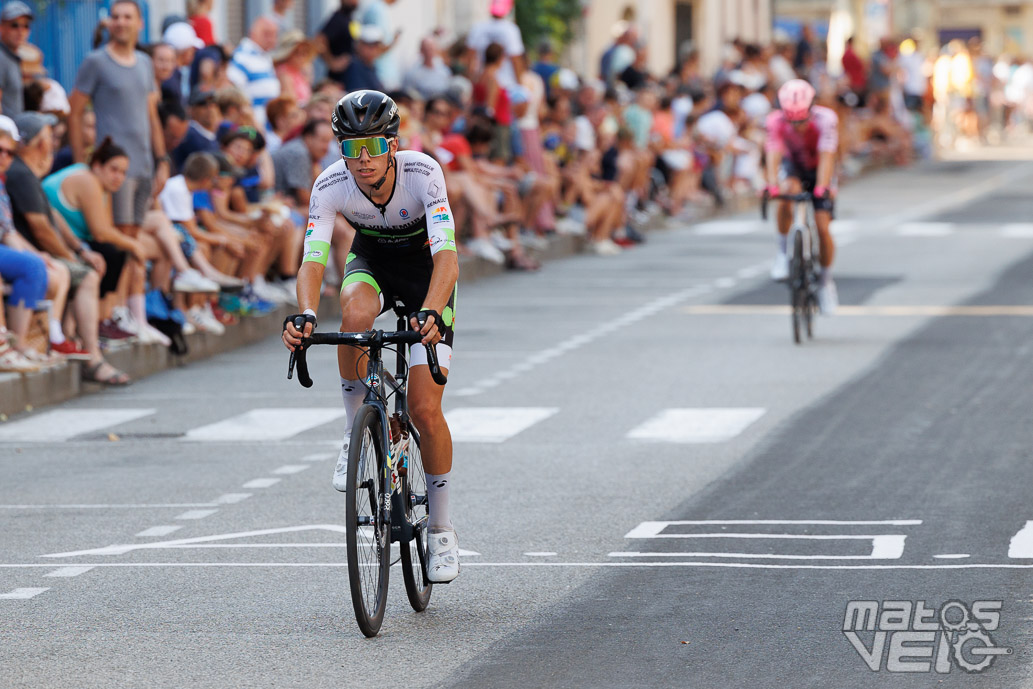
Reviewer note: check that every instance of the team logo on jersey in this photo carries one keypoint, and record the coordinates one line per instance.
(404, 213)
(440, 217)
(440, 209)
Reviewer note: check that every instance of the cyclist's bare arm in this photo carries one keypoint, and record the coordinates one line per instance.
(826, 166)
(774, 161)
(310, 280)
(442, 284)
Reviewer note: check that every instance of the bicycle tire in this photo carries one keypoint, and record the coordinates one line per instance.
(369, 546)
(414, 553)
(797, 285)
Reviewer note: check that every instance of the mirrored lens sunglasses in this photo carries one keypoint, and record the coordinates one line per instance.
(375, 145)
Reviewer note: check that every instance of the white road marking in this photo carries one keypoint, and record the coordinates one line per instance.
(261, 483)
(155, 531)
(725, 283)
(318, 457)
(493, 424)
(726, 565)
(107, 507)
(22, 594)
(952, 556)
(197, 514)
(610, 326)
(699, 425)
(220, 541)
(543, 553)
(61, 424)
(67, 572)
(1019, 230)
(654, 529)
(925, 229)
(265, 424)
(291, 469)
(1021, 544)
(727, 228)
(751, 271)
(231, 498)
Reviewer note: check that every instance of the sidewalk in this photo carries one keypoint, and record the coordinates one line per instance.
(21, 393)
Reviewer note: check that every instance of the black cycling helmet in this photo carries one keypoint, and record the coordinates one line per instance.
(365, 113)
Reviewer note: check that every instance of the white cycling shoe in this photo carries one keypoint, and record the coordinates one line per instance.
(780, 267)
(340, 481)
(443, 563)
(828, 298)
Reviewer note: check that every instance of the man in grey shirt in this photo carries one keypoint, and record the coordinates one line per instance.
(15, 25)
(120, 81)
(295, 162)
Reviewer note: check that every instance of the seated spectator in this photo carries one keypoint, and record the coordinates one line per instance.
(251, 69)
(297, 164)
(63, 157)
(882, 137)
(200, 137)
(430, 76)
(293, 60)
(208, 73)
(174, 126)
(361, 73)
(16, 19)
(163, 56)
(46, 233)
(285, 120)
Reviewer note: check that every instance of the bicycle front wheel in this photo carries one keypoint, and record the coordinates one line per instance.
(368, 523)
(798, 297)
(414, 553)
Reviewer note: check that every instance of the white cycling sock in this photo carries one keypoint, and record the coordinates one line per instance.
(353, 392)
(57, 336)
(783, 243)
(138, 308)
(437, 501)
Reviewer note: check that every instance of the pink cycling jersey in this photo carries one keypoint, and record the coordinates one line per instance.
(820, 136)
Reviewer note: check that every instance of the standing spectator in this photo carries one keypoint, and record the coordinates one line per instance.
(488, 93)
(430, 76)
(185, 42)
(915, 80)
(546, 65)
(297, 163)
(781, 63)
(15, 25)
(883, 67)
(281, 15)
(857, 76)
(293, 59)
(361, 73)
(636, 74)
(499, 30)
(197, 15)
(803, 59)
(621, 53)
(163, 56)
(376, 13)
(251, 68)
(334, 41)
(119, 80)
(174, 125)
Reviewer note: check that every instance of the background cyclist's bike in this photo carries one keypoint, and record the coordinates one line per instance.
(387, 487)
(804, 261)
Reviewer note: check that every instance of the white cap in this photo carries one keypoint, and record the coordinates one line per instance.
(370, 33)
(8, 125)
(55, 99)
(182, 36)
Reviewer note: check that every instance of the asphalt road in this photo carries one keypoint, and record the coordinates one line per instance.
(655, 487)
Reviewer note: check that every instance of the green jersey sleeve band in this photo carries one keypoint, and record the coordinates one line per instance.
(316, 251)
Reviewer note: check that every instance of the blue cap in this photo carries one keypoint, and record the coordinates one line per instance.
(15, 9)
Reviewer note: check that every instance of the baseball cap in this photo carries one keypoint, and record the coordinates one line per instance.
(30, 124)
(500, 8)
(370, 33)
(201, 97)
(15, 9)
(182, 36)
(8, 125)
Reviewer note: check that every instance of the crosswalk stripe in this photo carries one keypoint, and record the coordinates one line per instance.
(925, 229)
(22, 594)
(724, 228)
(61, 424)
(265, 424)
(493, 424)
(1018, 230)
(697, 425)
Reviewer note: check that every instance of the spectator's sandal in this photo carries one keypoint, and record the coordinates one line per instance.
(91, 374)
(522, 263)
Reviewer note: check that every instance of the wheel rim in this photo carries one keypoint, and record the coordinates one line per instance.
(369, 539)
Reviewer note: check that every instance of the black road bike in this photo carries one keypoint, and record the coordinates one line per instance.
(387, 487)
(804, 261)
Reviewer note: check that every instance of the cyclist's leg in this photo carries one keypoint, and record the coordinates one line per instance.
(362, 300)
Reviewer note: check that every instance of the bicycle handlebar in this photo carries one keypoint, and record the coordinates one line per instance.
(370, 338)
(803, 197)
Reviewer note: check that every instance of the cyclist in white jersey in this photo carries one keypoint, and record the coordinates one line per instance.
(404, 251)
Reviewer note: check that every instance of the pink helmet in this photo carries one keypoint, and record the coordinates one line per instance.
(796, 98)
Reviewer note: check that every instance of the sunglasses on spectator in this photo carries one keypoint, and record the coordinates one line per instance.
(375, 146)
(4, 151)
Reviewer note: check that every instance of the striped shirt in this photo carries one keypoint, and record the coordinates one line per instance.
(252, 71)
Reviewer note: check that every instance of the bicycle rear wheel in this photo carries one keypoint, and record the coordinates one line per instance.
(414, 553)
(367, 521)
(798, 297)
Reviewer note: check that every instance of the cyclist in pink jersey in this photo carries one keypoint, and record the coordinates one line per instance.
(802, 140)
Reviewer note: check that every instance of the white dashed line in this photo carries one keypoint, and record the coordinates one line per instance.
(158, 531)
(318, 457)
(22, 594)
(543, 553)
(196, 514)
(261, 483)
(951, 556)
(725, 283)
(288, 469)
(68, 572)
(232, 498)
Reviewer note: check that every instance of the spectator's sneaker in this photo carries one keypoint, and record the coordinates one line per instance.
(188, 328)
(267, 292)
(151, 335)
(223, 316)
(571, 227)
(203, 319)
(228, 283)
(13, 361)
(109, 330)
(500, 241)
(233, 304)
(606, 247)
(780, 267)
(828, 298)
(633, 235)
(70, 350)
(288, 292)
(192, 281)
(534, 241)
(340, 481)
(483, 248)
(443, 563)
(124, 320)
(252, 304)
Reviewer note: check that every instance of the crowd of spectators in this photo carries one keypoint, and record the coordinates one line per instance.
(168, 191)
